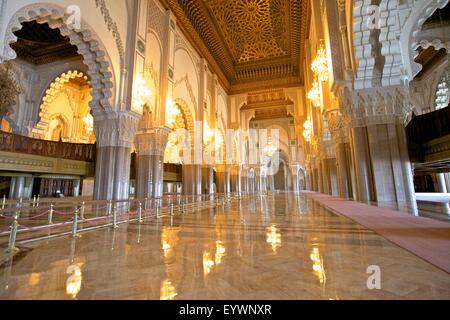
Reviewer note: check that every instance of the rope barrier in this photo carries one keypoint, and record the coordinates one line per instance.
(159, 208)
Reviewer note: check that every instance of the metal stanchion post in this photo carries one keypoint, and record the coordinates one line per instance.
(114, 217)
(38, 200)
(75, 224)
(4, 201)
(171, 209)
(34, 201)
(140, 213)
(157, 209)
(109, 208)
(13, 235)
(50, 215)
(82, 210)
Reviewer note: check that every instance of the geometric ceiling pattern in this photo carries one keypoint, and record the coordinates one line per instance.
(254, 44)
(253, 29)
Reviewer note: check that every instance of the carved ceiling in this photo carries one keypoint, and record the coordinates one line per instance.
(254, 43)
(40, 44)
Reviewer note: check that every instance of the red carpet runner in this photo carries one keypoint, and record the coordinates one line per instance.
(424, 237)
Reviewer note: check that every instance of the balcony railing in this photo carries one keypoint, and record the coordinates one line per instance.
(71, 151)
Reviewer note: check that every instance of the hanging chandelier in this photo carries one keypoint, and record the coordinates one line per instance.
(89, 123)
(208, 133)
(269, 150)
(141, 93)
(320, 64)
(315, 94)
(307, 130)
(172, 112)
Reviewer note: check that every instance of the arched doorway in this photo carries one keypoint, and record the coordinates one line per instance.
(87, 43)
(65, 112)
(81, 46)
(301, 180)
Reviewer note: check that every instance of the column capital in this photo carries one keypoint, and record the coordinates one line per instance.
(339, 126)
(382, 105)
(153, 141)
(116, 131)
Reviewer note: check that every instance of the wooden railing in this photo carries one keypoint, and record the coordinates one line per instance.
(72, 151)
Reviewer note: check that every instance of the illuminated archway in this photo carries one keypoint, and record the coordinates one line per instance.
(67, 98)
(89, 45)
(178, 138)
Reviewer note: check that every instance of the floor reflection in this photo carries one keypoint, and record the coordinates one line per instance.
(268, 247)
(274, 237)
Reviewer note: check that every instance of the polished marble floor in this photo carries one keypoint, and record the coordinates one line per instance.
(273, 247)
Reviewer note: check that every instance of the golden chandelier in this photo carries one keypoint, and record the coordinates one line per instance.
(320, 64)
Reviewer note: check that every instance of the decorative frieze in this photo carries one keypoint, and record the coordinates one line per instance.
(153, 142)
(38, 164)
(116, 132)
(338, 126)
(112, 27)
(380, 105)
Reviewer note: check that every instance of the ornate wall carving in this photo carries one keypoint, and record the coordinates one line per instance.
(338, 125)
(112, 27)
(381, 105)
(89, 46)
(116, 132)
(153, 142)
(185, 80)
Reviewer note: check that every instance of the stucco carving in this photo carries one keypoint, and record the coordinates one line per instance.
(88, 44)
(185, 79)
(381, 105)
(153, 142)
(338, 125)
(112, 27)
(116, 132)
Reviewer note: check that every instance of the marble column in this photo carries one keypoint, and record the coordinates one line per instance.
(343, 170)
(308, 182)
(295, 185)
(392, 173)
(316, 179)
(223, 179)
(150, 147)
(17, 188)
(192, 179)
(320, 182)
(188, 179)
(447, 181)
(334, 184)
(257, 180)
(326, 178)
(112, 171)
(361, 164)
(207, 179)
(29, 184)
(379, 146)
(244, 180)
(223, 182)
(235, 179)
(440, 183)
(76, 187)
